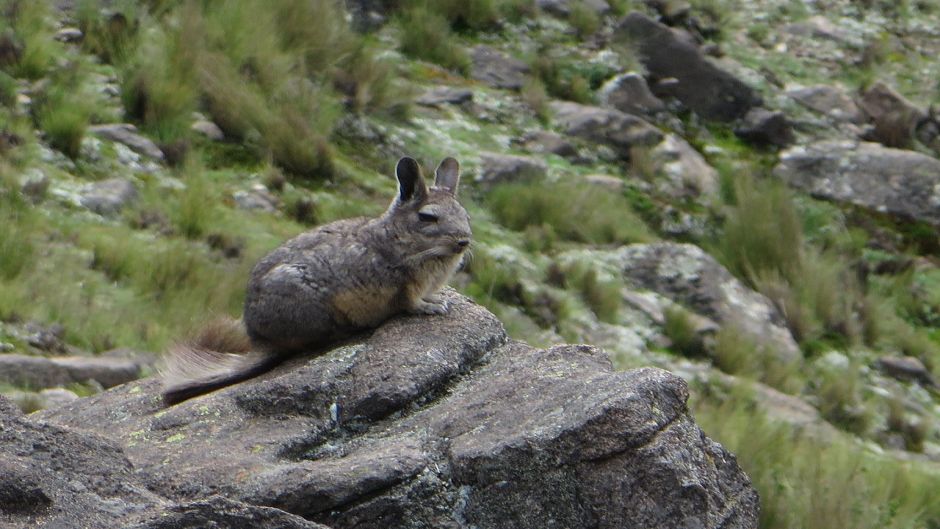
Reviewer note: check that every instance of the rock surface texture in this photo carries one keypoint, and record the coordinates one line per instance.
(894, 181)
(427, 422)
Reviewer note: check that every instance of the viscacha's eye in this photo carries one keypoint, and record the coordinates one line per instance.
(427, 217)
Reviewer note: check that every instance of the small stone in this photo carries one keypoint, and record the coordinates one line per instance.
(108, 197)
(497, 69)
(606, 181)
(55, 397)
(764, 127)
(830, 100)
(208, 129)
(69, 35)
(127, 134)
(257, 198)
(906, 368)
(543, 141)
(445, 95)
(499, 168)
(629, 93)
(6, 347)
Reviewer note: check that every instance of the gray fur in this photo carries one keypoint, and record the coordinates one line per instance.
(342, 277)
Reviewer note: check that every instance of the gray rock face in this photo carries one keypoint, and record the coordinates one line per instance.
(497, 168)
(700, 85)
(40, 372)
(613, 128)
(894, 181)
(431, 422)
(691, 277)
(126, 134)
(445, 95)
(497, 69)
(829, 100)
(681, 171)
(630, 94)
(108, 197)
(765, 127)
(562, 8)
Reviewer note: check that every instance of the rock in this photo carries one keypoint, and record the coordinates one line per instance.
(700, 85)
(819, 26)
(208, 129)
(126, 134)
(765, 127)
(906, 368)
(34, 184)
(69, 35)
(53, 397)
(895, 118)
(830, 100)
(108, 197)
(56, 478)
(496, 69)
(434, 422)
(630, 94)
(40, 372)
(607, 181)
(256, 198)
(498, 168)
(606, 126)
(893, 181)
(543, 141)
(680, 171)
(445, 95)
(562, 8)
(687, 275)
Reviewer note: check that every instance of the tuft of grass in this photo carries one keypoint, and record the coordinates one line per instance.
(17, 249)
(535, 96)
(738, 353)
(575, 212)
(838, 388)
(194, 209)
(820, 483)
(27, 28)
(681, 331)
(584, 19)
(603, 296)
(427, 35)
(64, 110)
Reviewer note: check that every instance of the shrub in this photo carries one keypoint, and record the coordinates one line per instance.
(26, 30)
(575, 211)
(427, 35)
(603, 296)
(584, 19)
(63, 111)
(820, 483)
(16, 245)
(680, 329)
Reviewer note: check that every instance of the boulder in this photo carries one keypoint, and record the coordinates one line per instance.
(617, 130)
(906, 368)
(543, 141)
(40, 372)
(680, 171)
(208, 129)
(687, 275)
(497, 69)
(445, 95)
(498, 168)
(831, 100)
(435, 421)
(58, 478)
(765, 128)
(895, 119)
(630, 94)
(894, 181)
(699, 84)
(126, 134)
(562, 8)
(108, 197)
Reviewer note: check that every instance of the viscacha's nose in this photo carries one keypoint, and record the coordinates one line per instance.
(463, 243)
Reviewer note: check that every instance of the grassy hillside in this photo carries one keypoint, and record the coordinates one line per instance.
(315, 105)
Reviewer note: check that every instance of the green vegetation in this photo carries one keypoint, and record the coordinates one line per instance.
(574, 212)
(820, 483)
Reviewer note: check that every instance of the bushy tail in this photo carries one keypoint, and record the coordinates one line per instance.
(220, 355)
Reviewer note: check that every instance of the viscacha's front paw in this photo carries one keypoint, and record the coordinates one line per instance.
(430, 307)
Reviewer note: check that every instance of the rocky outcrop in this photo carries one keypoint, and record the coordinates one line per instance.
(700, 85)
(497, 168)
(497, 69)
(831, 100)
(617, 130)
(894, 181)
(108, 197)
(39, 372)
(687, 275)
(127, 134)
(427, 422)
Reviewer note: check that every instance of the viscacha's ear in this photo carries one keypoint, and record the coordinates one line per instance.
(411, 184)
(447, 175)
